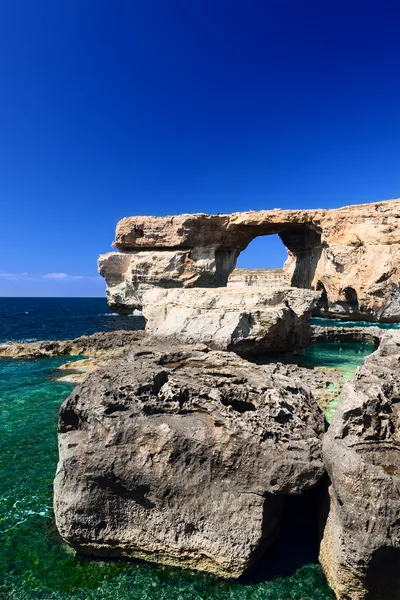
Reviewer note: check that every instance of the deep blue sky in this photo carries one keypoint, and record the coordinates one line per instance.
(116, 108)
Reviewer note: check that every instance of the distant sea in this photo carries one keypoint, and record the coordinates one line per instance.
(35, 319)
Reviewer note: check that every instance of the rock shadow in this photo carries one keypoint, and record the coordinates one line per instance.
(383, 579)
(298, 542)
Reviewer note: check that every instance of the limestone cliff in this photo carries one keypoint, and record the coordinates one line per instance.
(350, 254)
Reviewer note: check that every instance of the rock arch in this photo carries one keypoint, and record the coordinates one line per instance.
(354, 247)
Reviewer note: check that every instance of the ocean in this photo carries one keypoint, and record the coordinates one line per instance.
(34, 562)
(35, 319)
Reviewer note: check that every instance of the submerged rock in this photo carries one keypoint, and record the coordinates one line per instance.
(360, 549)
(183, 458)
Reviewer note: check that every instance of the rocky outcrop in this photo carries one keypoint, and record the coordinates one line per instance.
(360, 549)
(349, 254)
(184, 458)
(326, 333)
(244, 320)
(103, 344)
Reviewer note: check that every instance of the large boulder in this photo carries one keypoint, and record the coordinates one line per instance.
(183, 458)
(244, 320)
(350, 254)
(360, 549)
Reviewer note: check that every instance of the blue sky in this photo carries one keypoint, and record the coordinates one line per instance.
(109, 109)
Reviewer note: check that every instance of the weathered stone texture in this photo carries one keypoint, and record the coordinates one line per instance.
(183, 458)
(351, 254)
(360, 549)
(244, 320)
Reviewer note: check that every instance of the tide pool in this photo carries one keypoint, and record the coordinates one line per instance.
(344, 356)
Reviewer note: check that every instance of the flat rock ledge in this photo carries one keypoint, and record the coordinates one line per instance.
(360, 549)
(98, 345)
(184, 458)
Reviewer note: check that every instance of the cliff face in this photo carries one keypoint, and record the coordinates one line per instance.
(350, 254)
(244, 320)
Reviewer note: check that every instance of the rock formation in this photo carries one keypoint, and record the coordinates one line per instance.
(103, 344)
(183, 458)
(331, 333)
(179, 454)
(244, 320)
(349, 254)
(268, 278)
(360, 549)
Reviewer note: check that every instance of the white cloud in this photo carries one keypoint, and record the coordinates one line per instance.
(66, 277)
(61, 276)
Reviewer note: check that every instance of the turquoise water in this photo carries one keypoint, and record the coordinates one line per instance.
(339, 323)
(34, 564)
(345, 356)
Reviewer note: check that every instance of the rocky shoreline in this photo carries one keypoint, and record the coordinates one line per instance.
(97, 349)
(183, 455)
(219, 443)
(181, 444)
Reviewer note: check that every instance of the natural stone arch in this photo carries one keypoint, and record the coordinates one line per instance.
(303, 244)
(354, 246)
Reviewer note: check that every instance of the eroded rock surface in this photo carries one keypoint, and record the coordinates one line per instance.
(183, 458)
(331, 333)
(350, 254)
(360, 549)
(244, 320)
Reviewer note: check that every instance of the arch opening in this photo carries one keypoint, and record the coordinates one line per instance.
(323, 303)
(288, 255)
(261, 263)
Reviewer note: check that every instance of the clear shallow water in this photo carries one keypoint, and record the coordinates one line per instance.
(345, 356)
(34, 564)
(349, 324)
(34, 319)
